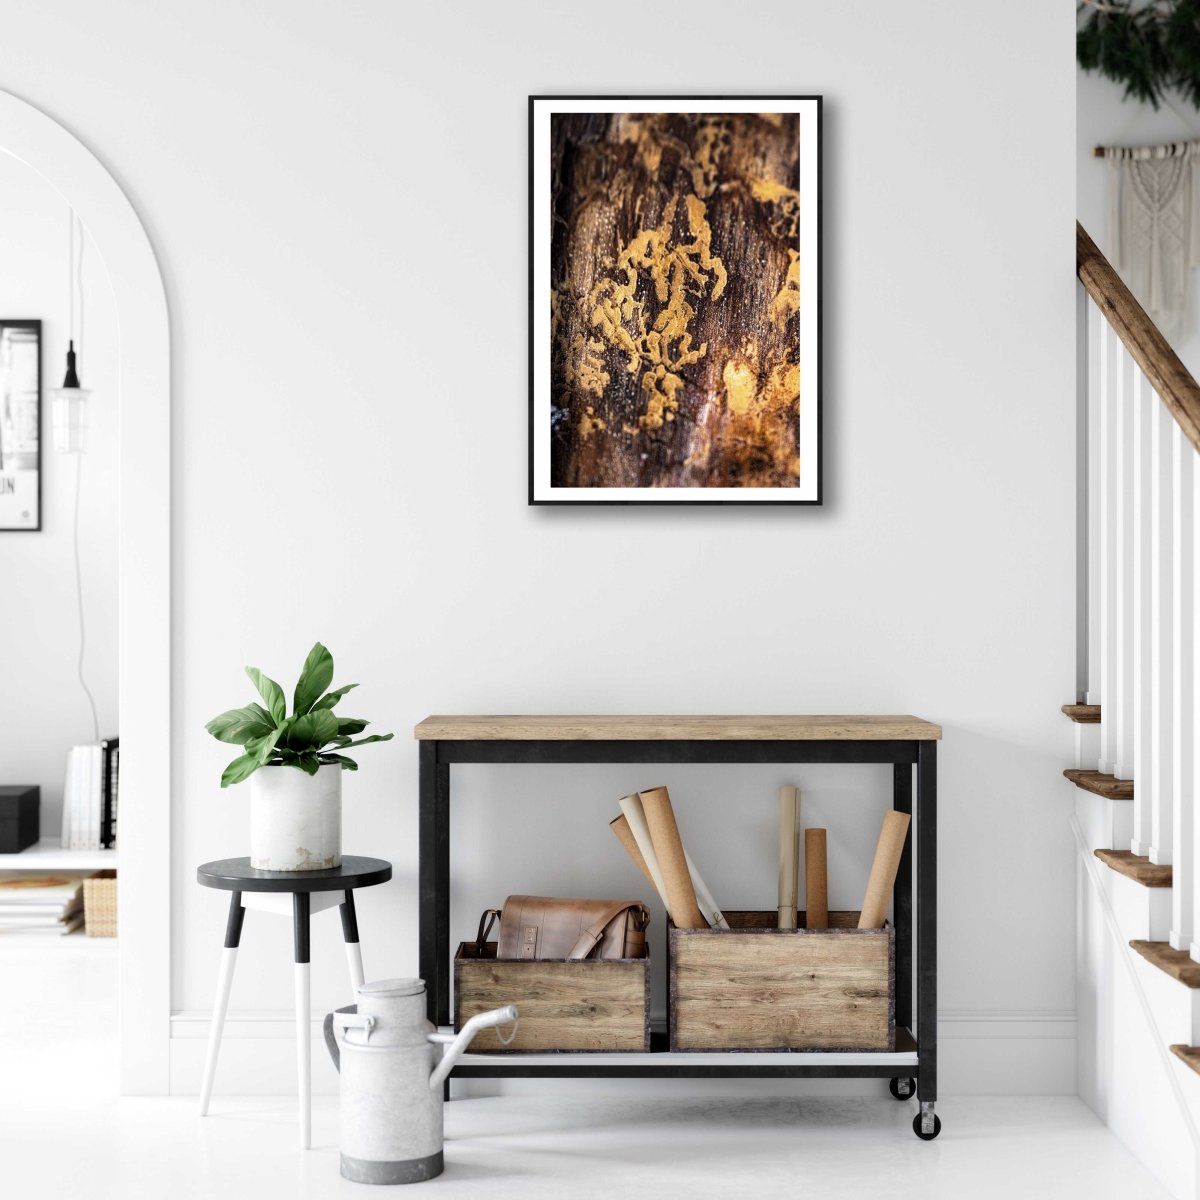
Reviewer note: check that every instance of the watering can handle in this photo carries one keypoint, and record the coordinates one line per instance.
(331, 1042)
(343, 1017)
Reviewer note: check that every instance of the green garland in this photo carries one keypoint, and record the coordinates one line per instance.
(1150, 48)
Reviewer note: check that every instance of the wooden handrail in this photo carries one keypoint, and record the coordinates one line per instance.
(1146, 345)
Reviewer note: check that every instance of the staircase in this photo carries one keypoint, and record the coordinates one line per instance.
(1135, 723)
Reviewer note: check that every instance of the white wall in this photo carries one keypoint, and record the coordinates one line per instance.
(43, 710)
(1104, 118)
(338, 197)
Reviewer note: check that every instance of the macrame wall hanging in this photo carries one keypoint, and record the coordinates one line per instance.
(1154, 225)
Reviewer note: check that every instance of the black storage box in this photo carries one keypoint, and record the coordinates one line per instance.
(19, 816)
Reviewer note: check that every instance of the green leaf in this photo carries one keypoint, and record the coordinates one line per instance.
(375, 737)
(315, 676)
(309, 763)
(241, 768)
(351, 725)
(241, 725)
(348, 764)
(271, 692)
(263, 748)
(331, 698)
(310, 731)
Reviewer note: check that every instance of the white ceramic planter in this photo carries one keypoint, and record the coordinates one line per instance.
(296, 819)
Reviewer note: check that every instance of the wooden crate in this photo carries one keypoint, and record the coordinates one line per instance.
(756, 987)
(593, 1005)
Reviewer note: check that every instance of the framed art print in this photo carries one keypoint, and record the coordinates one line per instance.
(675, 299)
(20, 425)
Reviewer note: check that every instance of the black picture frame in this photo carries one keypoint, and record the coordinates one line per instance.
(541, 489)
(21, 430)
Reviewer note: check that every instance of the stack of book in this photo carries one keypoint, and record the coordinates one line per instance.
(90, 793)
(41, 902)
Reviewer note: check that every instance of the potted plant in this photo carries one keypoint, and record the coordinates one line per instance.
(294, 764)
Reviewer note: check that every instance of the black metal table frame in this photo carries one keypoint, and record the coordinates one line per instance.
(436, 758)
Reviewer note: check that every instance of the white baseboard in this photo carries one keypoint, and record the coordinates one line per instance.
(1017, 1052)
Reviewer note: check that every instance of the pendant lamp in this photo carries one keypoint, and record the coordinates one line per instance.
(70, 408)
(69, 403)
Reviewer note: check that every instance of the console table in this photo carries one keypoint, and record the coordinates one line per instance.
(900, 742)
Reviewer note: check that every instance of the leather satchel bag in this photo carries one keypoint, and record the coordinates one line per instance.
(543, 927)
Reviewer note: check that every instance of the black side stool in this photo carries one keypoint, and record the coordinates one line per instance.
(311, 891)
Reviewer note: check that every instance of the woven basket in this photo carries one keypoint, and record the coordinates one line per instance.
(100, 904)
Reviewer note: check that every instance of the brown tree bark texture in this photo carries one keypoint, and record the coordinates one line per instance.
(675, 297)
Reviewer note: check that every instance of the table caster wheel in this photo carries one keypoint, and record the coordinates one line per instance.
(927, 1137)
(902, 1089)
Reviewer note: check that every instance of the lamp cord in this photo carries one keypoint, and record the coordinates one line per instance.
(70, 272)
(74, 273)
(87, 691)
(79, 279)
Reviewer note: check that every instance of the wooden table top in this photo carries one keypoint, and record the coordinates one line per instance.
(856, 728)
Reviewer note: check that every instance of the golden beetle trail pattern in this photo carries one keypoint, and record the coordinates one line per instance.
(675, 300)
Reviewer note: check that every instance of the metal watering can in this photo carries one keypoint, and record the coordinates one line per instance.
(388, 1057)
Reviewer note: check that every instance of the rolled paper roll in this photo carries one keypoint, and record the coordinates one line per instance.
(789, 854)
(704, 898)
(625, 831)
(672, 862)
(620, 826)
(883, 870)
(816, 880)
(635, 819)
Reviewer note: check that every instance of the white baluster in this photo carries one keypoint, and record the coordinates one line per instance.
(1082, 391)
(1183, 728)
(1124, 715)
(1095, 343)
(1159, 759)
(1192, 675)
(1109, 523)
(1145, 406)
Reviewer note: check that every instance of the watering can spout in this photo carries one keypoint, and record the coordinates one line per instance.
(454, 1051)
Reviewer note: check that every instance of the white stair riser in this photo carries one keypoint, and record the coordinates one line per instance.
(1176, 1007)
(1087, 746)
(1143, 913)
(1107, 824)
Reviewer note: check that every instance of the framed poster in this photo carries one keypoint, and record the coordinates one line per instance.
(675, 299)
(20, 425)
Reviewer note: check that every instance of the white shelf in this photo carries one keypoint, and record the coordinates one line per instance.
(48, 855)
(502, 1063)
(61, 941)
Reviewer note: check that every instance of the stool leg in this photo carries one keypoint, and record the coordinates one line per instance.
(233, 935)
(353, 947)
(300, 909)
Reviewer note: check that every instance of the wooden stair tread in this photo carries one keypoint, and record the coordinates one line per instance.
(1136, 867)
(1108, 786)
(1189, 1055)
(1083, 714)
(1176, 963)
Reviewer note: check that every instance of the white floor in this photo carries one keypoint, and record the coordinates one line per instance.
(64, 1136)
(527, 1148)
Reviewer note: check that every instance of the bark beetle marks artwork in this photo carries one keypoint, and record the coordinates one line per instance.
(674, 303)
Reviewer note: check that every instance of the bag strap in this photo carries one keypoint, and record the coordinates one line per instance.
(594, 932)
(485, 927)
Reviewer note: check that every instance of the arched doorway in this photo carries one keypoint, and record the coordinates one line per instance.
(143, 573)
